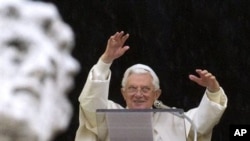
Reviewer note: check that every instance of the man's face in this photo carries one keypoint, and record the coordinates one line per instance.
(27, 62)
(139, 92)
(32, 75)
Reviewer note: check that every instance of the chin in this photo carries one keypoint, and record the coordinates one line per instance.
(140, 107)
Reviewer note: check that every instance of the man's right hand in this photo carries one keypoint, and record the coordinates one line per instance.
(115, 47)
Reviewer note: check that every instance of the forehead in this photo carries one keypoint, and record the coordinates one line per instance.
(24, 30)
(45, 20)
(139, 79)
(25, 34)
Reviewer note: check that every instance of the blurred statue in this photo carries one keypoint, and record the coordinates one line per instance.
(36, 71)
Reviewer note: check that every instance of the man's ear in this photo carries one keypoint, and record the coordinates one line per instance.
(123, 93)
(157, 94)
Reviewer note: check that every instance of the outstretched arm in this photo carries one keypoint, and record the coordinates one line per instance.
(207, 114)
(95, 93)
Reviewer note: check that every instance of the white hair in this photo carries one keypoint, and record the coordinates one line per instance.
(141, 69)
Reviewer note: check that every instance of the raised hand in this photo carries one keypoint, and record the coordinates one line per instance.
(115, 47)
(206, 79)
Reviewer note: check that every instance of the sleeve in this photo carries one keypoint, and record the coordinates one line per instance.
(217, 97)
(95, 91)
(208, 114)
(94, 96)
(101, 70)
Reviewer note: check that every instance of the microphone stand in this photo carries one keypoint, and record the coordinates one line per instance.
(158, 104)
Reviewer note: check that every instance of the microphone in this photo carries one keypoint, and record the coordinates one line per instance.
(159, 105)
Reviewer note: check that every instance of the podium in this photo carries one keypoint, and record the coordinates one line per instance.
(140, 124)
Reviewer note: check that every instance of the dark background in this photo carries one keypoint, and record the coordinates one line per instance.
(174, 37)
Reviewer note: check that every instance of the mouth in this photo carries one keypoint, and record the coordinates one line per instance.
(22, 104)
(29, 88)
(28, 92)
(139, 102)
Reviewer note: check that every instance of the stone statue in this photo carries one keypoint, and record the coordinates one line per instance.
(36, 71)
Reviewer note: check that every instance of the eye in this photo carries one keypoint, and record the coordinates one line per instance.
(47, 24)
(19, 47)
(131, 89)
(145, 89)
(18, 44)
(12, 12)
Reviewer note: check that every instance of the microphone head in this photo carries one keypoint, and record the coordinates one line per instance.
(158, 104)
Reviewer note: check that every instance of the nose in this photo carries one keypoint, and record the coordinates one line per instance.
(41, 67)
(71, 65)
(67, 69)
(138, 93)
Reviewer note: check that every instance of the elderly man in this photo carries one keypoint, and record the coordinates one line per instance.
(140, 88)
(36, 71)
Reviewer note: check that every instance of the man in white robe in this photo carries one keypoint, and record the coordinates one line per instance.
(140, 88)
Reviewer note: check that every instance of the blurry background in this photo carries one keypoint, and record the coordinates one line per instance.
(174, 37)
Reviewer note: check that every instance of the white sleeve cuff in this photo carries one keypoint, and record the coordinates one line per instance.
(215, 97)
(101, 70)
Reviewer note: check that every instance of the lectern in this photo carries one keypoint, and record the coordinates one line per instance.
(140, 125)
